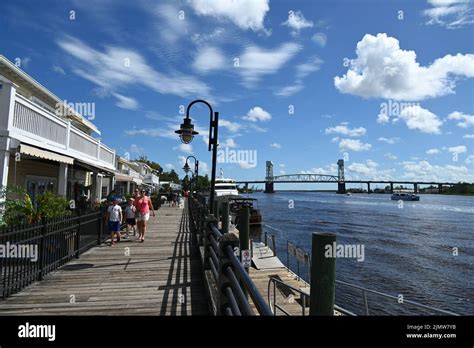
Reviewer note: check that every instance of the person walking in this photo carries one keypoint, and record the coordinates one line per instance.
(114, 216)
(143, 206)
(130, 218)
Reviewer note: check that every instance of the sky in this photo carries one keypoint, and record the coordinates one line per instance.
(386, 85)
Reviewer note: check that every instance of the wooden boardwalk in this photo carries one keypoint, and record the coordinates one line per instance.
(161, 276)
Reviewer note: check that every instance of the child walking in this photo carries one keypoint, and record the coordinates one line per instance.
(114, 216)
(130, 220)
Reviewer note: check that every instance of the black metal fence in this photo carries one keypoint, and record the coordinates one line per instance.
(221, 258)
(28, 252)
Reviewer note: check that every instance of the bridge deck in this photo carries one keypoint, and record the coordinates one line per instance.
(161, 276)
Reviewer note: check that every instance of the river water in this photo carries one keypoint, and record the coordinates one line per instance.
(408, 251)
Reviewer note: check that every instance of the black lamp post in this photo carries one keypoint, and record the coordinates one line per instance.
(187, 169)
(186, 134)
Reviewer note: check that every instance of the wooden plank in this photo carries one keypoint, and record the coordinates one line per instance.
(161, 276)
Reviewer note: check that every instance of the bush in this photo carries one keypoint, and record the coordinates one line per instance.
(52, 206)
(19, 209)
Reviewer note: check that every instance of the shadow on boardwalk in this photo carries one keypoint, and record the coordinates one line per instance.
(161, 276)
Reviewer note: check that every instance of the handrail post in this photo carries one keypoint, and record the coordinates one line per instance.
(323, 275)
(99, 226)
(224, 261)
(207, 243)
(42, 257)
(78, 234)
(225, 218)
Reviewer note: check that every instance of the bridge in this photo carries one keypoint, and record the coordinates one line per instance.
(271, 179)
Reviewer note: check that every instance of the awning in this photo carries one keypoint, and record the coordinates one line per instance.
(123, 177)
(45, 154)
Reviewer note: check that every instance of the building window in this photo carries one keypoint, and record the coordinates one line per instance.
(104, 191)
(37, 185)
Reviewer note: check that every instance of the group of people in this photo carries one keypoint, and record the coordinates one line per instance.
(136, 213)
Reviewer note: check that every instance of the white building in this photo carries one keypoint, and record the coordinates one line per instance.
(45, 146)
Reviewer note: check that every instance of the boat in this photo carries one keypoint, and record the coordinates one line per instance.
(404, 195)
(348, 194)
(237, 203)
(225, 186)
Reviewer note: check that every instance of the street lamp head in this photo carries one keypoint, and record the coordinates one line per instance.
(186, 168)
(186, 131)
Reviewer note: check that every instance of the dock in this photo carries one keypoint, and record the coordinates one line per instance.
(161, 276)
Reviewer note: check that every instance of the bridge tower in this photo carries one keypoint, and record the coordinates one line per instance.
(269, 178)
(341, 185)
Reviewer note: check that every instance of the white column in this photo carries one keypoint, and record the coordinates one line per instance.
(4, 160)
(112, 183)
(128, 188)
(7, 105)
(99, 187)
(62, 182)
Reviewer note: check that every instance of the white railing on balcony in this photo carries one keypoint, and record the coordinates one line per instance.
(151, 179)
(133, 173)
(43, 128)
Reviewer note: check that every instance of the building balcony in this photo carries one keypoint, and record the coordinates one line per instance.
(151, 179)
(34, 125)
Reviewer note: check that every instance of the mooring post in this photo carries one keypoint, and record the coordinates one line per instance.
(225, 218)
(215, 211)
(323, 274)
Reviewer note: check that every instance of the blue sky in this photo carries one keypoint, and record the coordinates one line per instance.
(336, 64)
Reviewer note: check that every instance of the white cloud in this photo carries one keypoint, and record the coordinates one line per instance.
(125, 102)
(335, 140)
(186, 148)
(420, 119)
(452, 14)
(290, 90)
(469, 159)
(282, 172)
(468, 136)
(466, 120)
(368, 170)
(390, 141)
(312, 65)
(353, 145)
(276, 146)
(169, 25)
(383, 70)
(320, 39)
(257, 114)
(390, 156)
(231, 126)
(330, 169)
(247, 165)
(119, 68)
(255, 62)
(344, 130)
(246, 14)
(296, 21)
(425, 171)
(134, 148)
(457, 149)
(230, 143)
(169, 166)
(433, 151)
(208, 59)
(59, 70)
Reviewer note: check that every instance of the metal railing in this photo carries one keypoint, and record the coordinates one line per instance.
(304, 298)
(46, 246)
(304, 257)
(234, 284)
